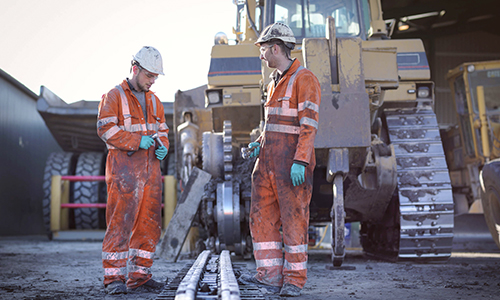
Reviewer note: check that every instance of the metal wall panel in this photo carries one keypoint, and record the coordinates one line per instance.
(25, 144)
(447, 52)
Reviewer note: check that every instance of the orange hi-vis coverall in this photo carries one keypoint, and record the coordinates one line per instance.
(291, 123)
(133, 210)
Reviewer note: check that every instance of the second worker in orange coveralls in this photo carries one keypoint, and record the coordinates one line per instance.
(283, 174)
(128, 115)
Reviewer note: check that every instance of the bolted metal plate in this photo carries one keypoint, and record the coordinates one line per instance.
(421, 162)
(421, 120)
(424, 195)
(408, 134)
(418, 178)
(418, 148)
(426, 220)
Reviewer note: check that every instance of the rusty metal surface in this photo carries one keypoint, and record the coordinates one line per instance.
(345, 115)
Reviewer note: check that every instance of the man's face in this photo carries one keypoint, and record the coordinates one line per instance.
(266, 54)
(144, 79)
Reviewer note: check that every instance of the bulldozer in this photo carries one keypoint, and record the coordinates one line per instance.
(379, 155)
(472, 146)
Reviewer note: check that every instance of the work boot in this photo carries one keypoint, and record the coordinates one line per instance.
(247, 279)
(290, 290)
(116, 287)
(151, 286)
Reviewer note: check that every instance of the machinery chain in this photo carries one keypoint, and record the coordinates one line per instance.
(209, 277)
(89, 164)
(424, 186)
(230, 227)
(226, 200)
(227, 139)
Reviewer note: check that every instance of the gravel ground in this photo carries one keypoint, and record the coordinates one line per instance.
(36, 268)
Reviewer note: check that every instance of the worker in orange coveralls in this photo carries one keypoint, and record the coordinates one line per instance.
(128, 115)
(283, 174)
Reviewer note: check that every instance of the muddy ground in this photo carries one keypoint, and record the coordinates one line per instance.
(36, 268)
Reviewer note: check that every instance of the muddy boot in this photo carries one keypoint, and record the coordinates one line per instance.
(290, 290)
(116, 287)
(247, 279)
(151, 286)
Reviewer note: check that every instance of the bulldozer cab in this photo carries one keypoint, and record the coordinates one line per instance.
(476, 88)
(308, 19)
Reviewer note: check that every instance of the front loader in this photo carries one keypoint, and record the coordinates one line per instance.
(473, 145)
(380, 159)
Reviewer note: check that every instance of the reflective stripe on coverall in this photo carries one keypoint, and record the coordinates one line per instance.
(291, 111)
(133, 210)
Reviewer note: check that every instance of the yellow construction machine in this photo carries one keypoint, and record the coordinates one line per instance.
(473, 145)
(380, 159)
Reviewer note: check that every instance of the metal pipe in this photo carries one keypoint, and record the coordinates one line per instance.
(485, 141)
(170, 200)
(73, 178)
(87, 205)
(83, 205)
(55, 203)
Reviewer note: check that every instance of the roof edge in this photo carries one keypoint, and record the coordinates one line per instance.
(18, 84)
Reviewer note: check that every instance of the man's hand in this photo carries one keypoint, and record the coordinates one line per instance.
(297, 174)
(256, 150)
(161, 152)
(146, 142)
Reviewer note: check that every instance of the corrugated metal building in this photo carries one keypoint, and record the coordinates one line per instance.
(453, 32)
(25, 144)
(447, 53)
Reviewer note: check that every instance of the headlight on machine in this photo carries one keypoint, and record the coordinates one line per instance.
(213, 96)
(423, 92)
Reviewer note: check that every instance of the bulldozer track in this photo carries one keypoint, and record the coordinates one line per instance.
(424, 186)
(210, 277)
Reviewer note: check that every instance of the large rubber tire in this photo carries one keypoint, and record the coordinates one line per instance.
(490, 198)
(58, 163)
(89, 164)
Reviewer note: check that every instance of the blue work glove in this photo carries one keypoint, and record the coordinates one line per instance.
(255, 151)
(146, 142)
(297, 174)
(161, 152)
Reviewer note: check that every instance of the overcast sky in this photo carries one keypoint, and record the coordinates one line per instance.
(80, 49)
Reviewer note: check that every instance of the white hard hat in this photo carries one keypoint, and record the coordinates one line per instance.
(150, 59)
(278, 31)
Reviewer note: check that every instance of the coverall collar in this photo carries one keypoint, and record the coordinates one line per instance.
(276, 76)
(127, 85)
(131, 86)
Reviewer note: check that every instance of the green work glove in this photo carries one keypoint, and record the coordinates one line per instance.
(161, 152)
(297, 174)
(146, 142)
(255, 151)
